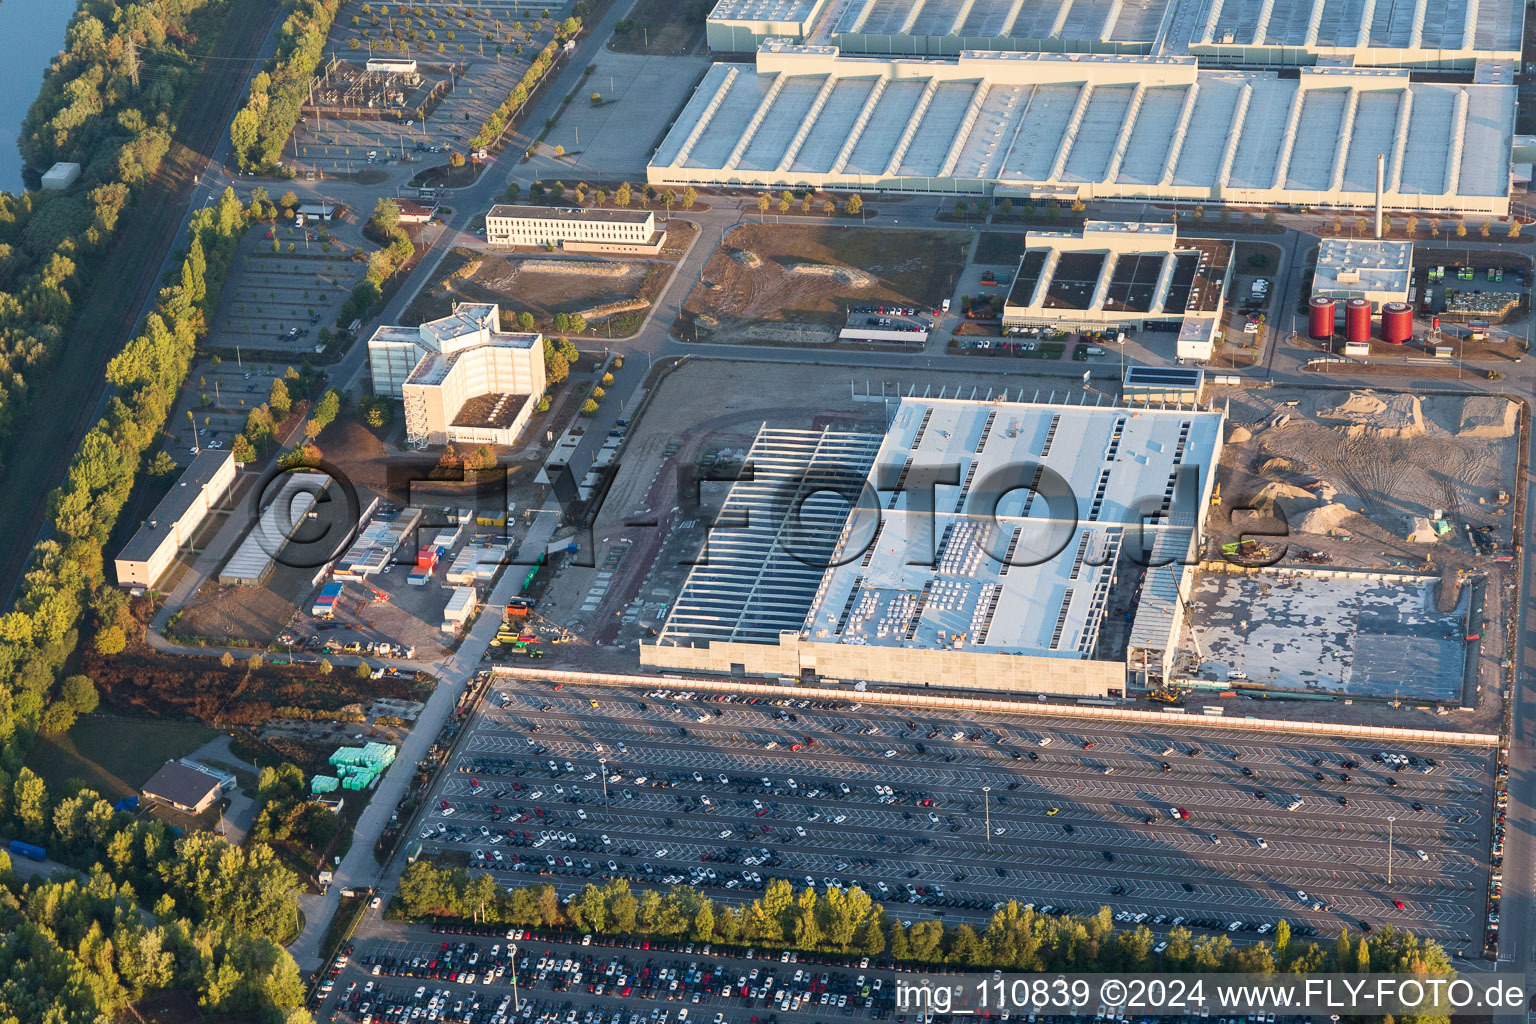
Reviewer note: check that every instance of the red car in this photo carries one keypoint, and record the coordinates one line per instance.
(1399, 904)
(1182, 812)
(1089, 745)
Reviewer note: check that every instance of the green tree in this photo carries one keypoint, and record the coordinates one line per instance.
(525, 321)
(363, 670)
(162, 465)
(385, 219)
(278, 399)
(854, 204)
(111, 640)
(79, 692)
(623, 195)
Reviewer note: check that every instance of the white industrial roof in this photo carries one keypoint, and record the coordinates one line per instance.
(764, 10)
(1100, 126)
(1069, 485)
(277, 521)
(1002, 21)
(761, 566)
(1430, 33)
(1363, 265)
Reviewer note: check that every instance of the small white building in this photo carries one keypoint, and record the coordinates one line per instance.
(150, 551)
(60, 176)
(1117, 274)
(739, 26)
(392, 65)
(574, 228)
(461, 605)
(1363, 268)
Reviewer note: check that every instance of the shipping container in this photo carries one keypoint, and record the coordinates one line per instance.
(28, 850)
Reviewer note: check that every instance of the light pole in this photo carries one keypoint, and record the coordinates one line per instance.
(986, 799)
(602, 768)
(1390, 820)
(515, 1004)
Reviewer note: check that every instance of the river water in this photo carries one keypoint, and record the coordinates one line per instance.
(31, 35)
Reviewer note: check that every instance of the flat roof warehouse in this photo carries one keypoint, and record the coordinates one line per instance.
(1012, 600)
(1091, 126)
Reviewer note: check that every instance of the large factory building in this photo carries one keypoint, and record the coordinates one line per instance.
(1069, 126)
(994, 543)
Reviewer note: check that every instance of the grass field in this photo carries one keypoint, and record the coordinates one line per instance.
(115, 756)
(661, 27)
(1000, 247)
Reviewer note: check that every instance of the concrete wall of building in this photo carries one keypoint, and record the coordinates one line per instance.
(930, 667)
(558, 230)
(145, 572)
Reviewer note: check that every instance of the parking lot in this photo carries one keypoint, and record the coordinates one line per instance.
(482, 46)
(469, 978)
(1218, 833)
(277, 301)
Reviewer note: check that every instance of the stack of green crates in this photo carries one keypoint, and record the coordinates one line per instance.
(360, 767)
(324, 784)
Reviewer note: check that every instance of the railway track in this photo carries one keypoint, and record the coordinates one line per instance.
(63, 408)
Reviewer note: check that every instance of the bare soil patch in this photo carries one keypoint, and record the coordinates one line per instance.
(765, 281)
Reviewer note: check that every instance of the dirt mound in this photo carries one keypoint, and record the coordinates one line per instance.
(1282, 466)
(1288, 498)
(1420, 531)
(1487, 416)
(1238, 434)
(1369, 413)
(1322, 519)
(855, 278)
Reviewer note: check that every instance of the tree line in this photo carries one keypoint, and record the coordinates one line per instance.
(500, 118)
(97, 109)
(261, 127)
(151, 911)
(851, 922)
(218, 914)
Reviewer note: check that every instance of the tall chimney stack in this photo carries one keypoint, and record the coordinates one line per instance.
(1381, 182)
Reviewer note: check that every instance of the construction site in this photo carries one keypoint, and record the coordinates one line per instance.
(799, 283)
(1357, 544)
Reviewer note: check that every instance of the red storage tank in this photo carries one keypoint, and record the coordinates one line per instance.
(1396, 322)
(1320, 320)
(1357, 320)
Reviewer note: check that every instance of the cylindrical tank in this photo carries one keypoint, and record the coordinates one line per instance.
(1396, 322)
(1320, 320)
(1357, 320)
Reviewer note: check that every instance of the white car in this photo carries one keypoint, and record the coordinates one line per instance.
(800, 831)
(890, 753)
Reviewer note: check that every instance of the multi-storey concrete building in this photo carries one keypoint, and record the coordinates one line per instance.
(574, 228)
(461, 378)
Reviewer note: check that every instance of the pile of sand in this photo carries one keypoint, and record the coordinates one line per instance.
(856, 278)
(1421, 531)
(1487, 416)
(1282, 465)
(1322, 519)
(1369, 413)
(589, 268)
(1238, 434)
(1288, 498)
